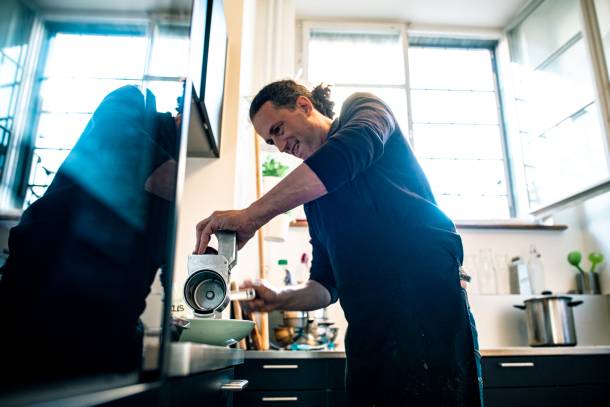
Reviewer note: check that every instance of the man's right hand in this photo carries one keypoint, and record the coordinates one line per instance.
(267, 297)
(239, 221)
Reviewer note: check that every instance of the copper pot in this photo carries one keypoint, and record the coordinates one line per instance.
(284, 335)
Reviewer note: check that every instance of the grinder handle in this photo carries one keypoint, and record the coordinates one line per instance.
(227, 246)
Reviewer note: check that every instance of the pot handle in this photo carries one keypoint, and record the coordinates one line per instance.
(521, 306)
(574, 303)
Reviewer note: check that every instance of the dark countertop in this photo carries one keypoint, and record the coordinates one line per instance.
(486, 352)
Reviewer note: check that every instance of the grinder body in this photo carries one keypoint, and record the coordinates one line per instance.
(206, 290)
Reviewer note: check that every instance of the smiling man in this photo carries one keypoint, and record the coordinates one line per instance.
(380, 245)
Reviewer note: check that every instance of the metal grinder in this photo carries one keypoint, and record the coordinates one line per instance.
(206, 289)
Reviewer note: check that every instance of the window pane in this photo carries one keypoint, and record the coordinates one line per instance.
(96, 56)
(473, 207)
(457, 141)
(602, 9)
(465, 177)
(447, 68)
(60, 130)
(466, 107)
(170, 51)
(354, 58)
(395, 98)
(45, 164)
(566, 159)
(166, 93)
(77, 95)
(557, 91)
(8, 70)
(549, 27)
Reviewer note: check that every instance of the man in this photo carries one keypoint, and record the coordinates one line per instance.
(83, 256)
(380, 245)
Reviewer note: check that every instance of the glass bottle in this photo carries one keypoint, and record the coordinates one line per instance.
(487, 273)
(536, 271)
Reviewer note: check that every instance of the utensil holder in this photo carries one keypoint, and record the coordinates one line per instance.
(588, 283)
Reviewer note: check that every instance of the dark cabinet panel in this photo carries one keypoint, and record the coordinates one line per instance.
(200, 390)
(531, 397)
(281, 398)
(336, 398)
(293, 374)
(566, 370)
(336, 374)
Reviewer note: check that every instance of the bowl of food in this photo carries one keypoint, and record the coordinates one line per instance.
(284, 335)
(219, 332)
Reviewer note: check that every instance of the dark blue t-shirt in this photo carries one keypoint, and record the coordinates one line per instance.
(379, 218)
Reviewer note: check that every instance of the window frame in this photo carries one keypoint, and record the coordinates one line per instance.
(601, 82)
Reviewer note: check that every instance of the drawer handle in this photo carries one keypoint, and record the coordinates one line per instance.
(280, 366)
(234, 385)
(274, 399)
(516, 364)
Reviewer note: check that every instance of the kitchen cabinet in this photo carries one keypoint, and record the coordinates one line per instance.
(566, 380)
(190, 391)
(310, 379)
(292, 382)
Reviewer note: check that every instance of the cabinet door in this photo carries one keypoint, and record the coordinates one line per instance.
(531, 397)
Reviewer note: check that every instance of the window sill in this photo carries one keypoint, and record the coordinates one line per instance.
(482, 225)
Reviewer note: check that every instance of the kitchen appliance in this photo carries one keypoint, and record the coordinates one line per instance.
(206, 290)
(519, 278)
(550, 321)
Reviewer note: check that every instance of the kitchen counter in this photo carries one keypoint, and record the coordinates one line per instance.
(298, 354)
(546, 351)
(186, 358)
(490, 352)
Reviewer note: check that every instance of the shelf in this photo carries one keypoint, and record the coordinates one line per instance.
(480, 226)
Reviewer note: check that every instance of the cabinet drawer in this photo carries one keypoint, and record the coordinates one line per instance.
(283, 374)
(545, 370)
(281, 398)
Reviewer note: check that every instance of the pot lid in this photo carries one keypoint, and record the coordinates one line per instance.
(547, 295)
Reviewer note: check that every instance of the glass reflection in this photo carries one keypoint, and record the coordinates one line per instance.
(93, 139)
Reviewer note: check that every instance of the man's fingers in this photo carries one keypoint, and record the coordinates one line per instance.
(204, 240)
(198, 231)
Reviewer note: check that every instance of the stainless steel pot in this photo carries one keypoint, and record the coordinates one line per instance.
(295, 319)
(550, 321)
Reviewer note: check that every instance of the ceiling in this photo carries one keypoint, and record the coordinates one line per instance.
(486, 14)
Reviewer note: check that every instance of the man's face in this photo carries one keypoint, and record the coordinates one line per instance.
(292, 131)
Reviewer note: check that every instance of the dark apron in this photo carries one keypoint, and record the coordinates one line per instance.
(421, 353)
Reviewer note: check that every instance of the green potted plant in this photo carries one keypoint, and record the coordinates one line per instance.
(273, 171)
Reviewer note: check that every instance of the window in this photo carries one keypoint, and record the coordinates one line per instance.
(455, 118)
(457, 132)
(81, 68)
(559, 118)
(14, 39)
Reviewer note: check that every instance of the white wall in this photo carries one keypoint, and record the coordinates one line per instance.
(229, 181)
